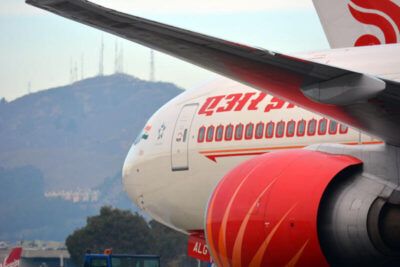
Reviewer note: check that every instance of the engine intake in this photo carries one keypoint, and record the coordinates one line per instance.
(358, 226)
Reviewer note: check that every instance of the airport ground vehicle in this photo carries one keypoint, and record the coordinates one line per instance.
(107, 259)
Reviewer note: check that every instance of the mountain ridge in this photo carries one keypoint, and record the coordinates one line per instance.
(79, 134)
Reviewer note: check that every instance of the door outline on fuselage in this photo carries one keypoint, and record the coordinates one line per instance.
(181, 138)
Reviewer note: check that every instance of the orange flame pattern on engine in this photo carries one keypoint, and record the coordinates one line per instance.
(263, 213)
(257, 260)
(237, 252)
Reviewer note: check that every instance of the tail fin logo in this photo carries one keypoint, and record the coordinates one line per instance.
(383, 14)
(13, 259)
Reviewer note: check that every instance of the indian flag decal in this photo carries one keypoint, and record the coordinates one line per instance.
(146, 132)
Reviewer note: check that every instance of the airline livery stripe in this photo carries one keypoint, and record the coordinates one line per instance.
(249, 149)
(214, 157)
(214, 154)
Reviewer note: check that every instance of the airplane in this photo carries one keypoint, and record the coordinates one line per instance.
(13, 259)
(293, 160)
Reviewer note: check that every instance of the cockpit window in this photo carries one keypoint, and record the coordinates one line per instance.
(139, 137)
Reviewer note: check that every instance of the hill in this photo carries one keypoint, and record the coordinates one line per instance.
(78, 135)
(69, 138)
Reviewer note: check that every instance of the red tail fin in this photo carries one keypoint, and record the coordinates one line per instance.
(13, 259)
(360, 22)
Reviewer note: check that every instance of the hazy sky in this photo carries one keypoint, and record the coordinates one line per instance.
(38, 48)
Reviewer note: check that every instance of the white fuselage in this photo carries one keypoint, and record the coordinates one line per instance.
(196, 138)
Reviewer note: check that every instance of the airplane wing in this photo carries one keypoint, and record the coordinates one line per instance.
(364, 102)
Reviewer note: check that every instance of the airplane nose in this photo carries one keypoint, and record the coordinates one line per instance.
(128, 173)
(133, 178)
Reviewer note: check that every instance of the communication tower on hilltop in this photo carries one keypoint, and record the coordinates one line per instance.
(152, 67)
(119, 58)
(101, 61)
(76, 71)
(82, 66)
(116, 57)
(71, 71)
(29, 87)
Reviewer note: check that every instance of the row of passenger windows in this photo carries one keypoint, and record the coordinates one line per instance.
(269, 130)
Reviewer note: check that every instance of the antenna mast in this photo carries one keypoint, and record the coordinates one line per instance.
(82, 66)
(29, 87)
(152, 68)
(116, 61)
(119, 58)
(101, 61)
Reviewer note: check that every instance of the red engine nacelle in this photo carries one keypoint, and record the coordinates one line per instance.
(264, 212)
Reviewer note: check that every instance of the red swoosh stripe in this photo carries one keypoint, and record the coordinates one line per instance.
(386, 6)
(215, 154)
(389, 30)
(214, 157)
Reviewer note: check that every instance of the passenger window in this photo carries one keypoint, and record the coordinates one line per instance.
(259, 130)
(301, 128)
(312, 127)
(322, 126)
(229, 132)
(344, 129)
(249, 131)
(270, 130)
(290, 128)
(333, 125)
(201, 135)
(280, 129)
(219, 133)
(210, 134)
(239, 132)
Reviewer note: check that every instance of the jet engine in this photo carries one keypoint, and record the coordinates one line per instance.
(302, 208)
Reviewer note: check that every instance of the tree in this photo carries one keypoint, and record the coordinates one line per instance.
(171, 246)
(128, 233)
(120, 230)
